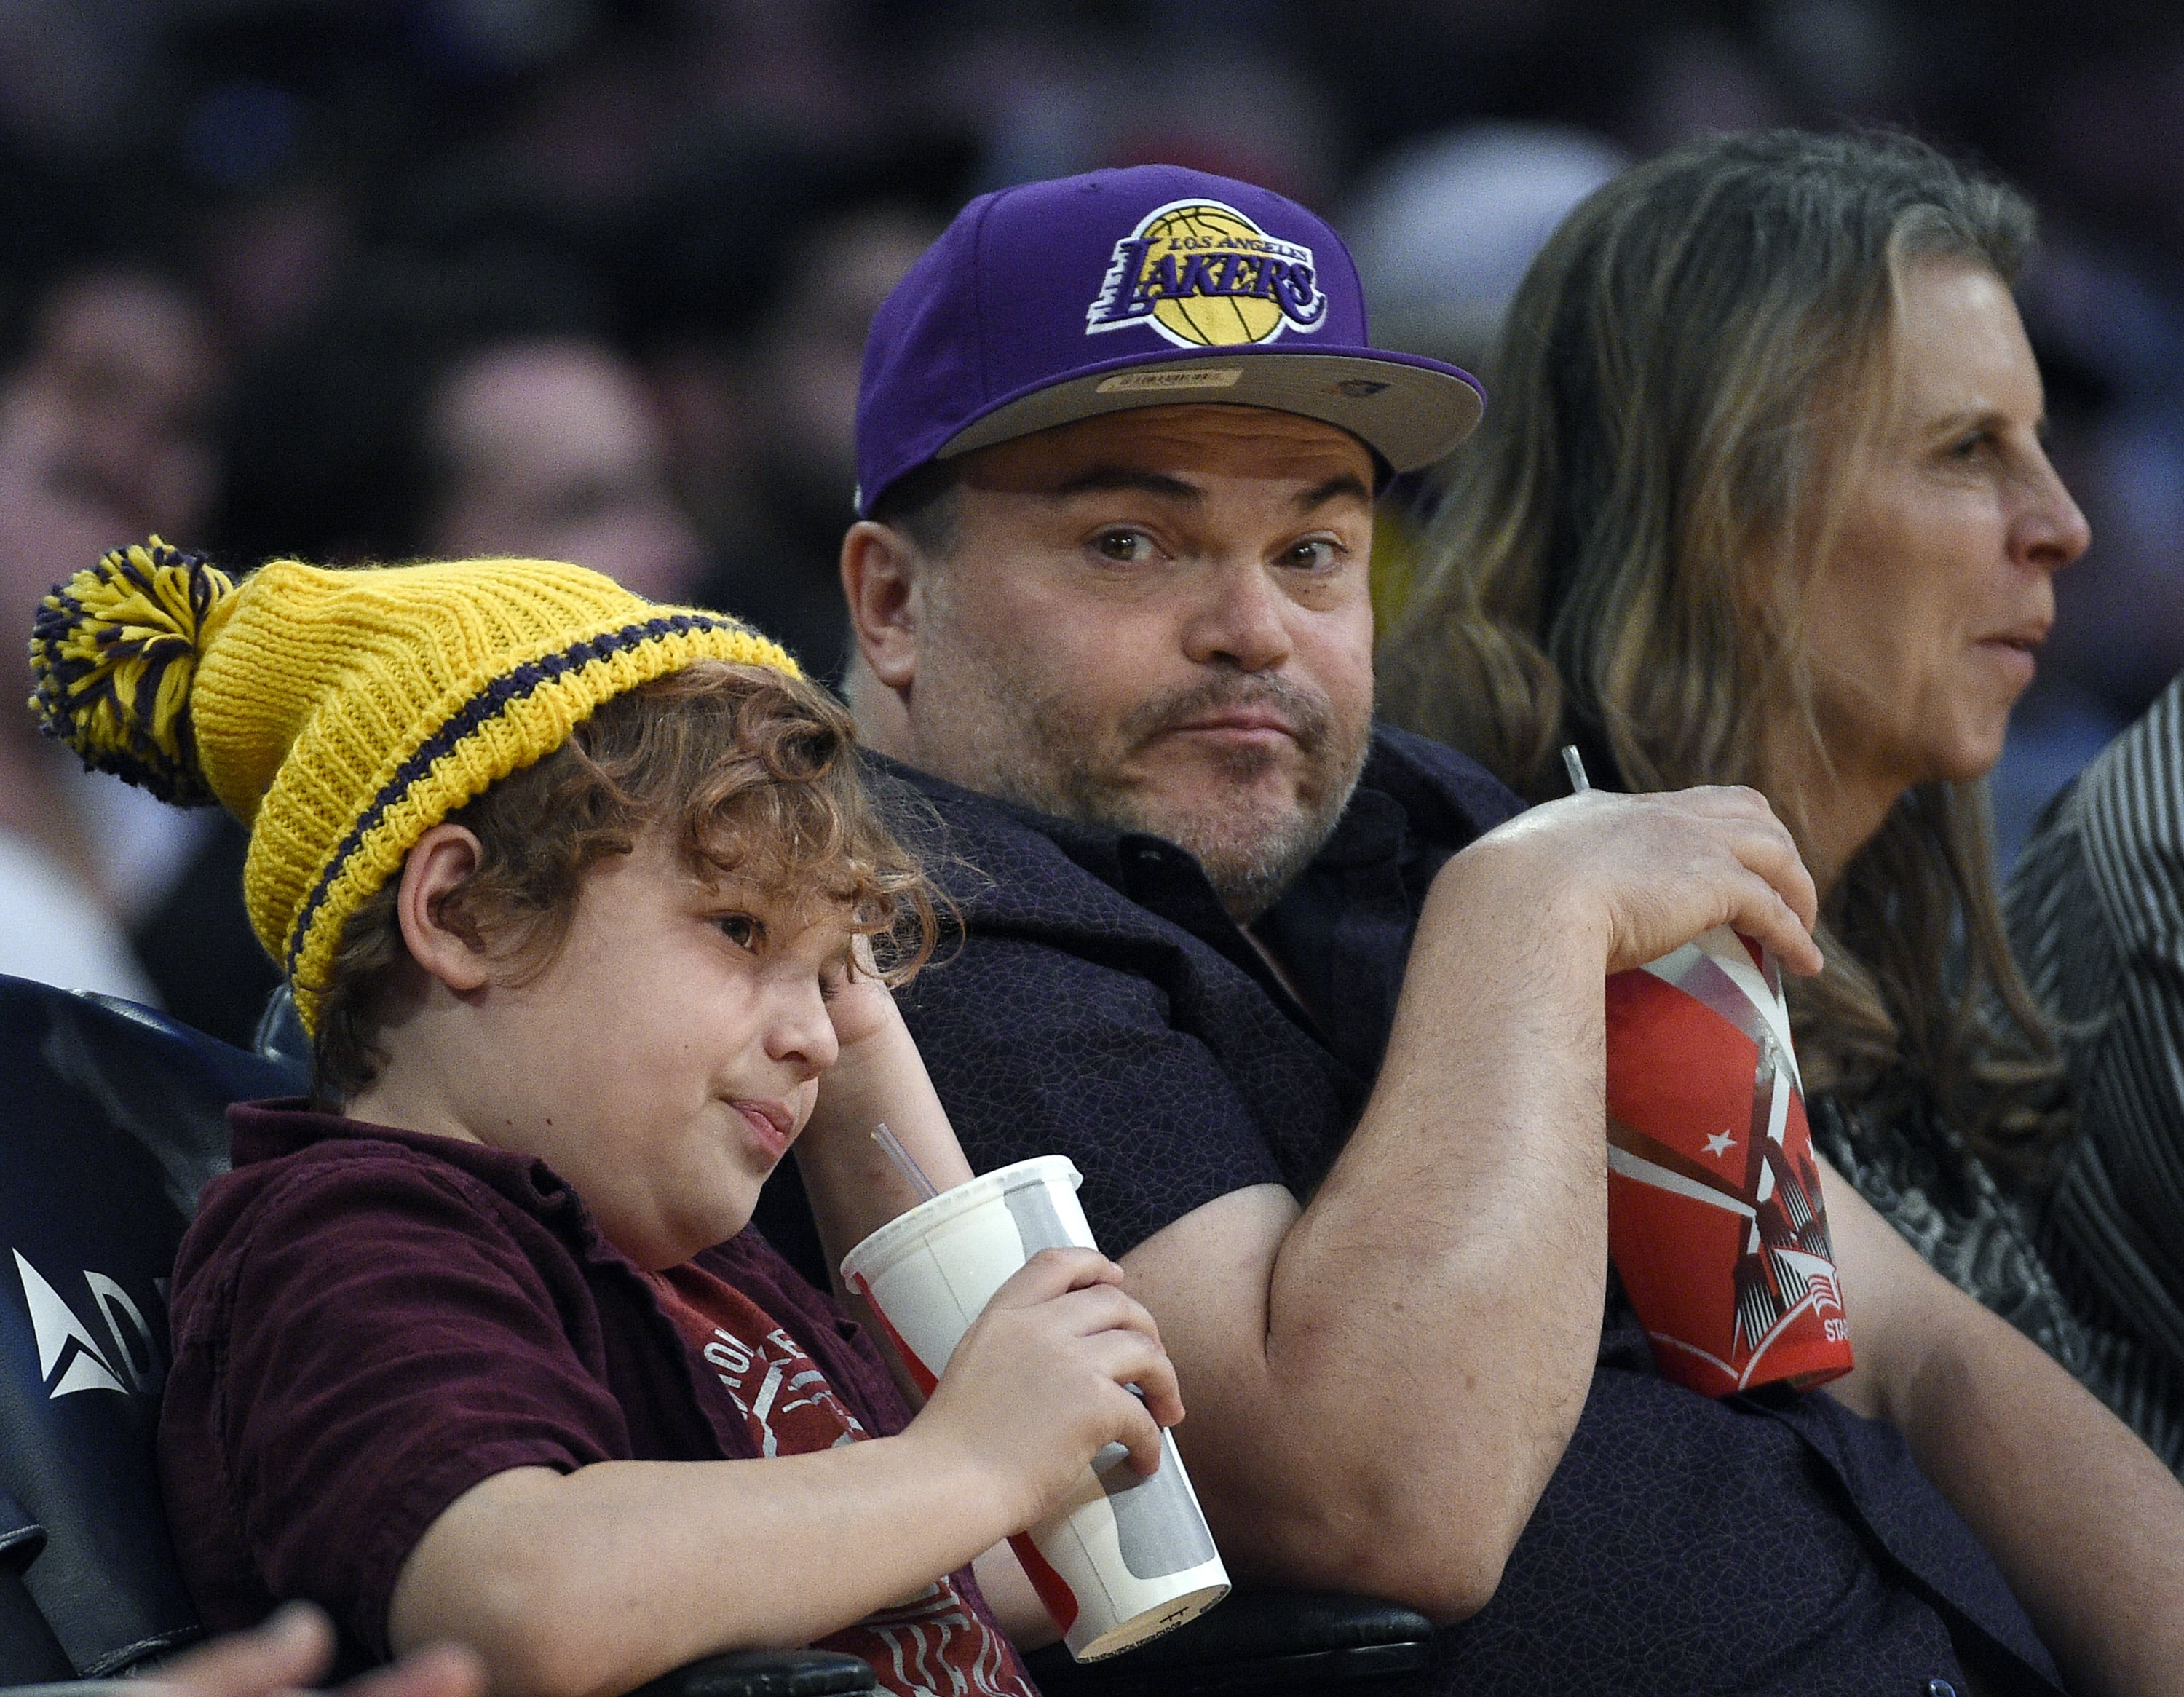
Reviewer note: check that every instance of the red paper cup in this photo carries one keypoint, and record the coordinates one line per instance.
(1715, 1217)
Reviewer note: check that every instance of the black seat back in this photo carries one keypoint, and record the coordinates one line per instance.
(111, 1120)
(29, 1651)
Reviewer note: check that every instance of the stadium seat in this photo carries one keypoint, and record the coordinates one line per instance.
(111, 1124)
(28, 1649)
(1255, 1643)
(744, 1674)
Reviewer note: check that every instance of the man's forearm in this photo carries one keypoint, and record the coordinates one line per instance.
(1010, 1599)
(1465, 1228)
(1381, 1386)
(1419, 1341)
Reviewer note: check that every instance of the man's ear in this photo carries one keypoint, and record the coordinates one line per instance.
(444, 858)
(880, 579)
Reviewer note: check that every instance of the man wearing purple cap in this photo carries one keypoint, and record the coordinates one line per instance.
(1320, 1017)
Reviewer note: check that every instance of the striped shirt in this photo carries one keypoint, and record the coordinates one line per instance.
(2096, 912)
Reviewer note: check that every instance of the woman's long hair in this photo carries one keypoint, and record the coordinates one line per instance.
(1689, 376)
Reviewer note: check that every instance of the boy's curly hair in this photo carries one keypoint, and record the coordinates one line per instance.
(753, 772)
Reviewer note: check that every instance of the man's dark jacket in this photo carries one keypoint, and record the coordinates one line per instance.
(1105, 1007)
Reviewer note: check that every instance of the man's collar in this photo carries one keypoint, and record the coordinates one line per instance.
(1096, 848)
(1389, 775)
(1371, 827)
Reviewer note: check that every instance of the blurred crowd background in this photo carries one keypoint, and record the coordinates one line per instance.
(589, 279)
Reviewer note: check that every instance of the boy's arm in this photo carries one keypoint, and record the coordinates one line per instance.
(2084, 1523)
(854, 1187)
(597, 1580)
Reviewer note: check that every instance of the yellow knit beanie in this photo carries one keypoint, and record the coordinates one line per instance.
(341, 713)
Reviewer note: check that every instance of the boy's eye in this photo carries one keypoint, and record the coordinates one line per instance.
(739, 928)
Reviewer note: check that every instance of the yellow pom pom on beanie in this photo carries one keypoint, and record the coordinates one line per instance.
(342, 713)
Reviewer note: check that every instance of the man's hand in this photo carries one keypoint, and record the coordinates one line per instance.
(292, 1648)
(1646, 874)
(1036, 1387)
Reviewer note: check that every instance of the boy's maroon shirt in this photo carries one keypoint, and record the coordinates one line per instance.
(369, 1321)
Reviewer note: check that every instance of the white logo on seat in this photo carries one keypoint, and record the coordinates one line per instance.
(70, 1359)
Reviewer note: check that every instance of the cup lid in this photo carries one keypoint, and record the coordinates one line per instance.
(908, 1228)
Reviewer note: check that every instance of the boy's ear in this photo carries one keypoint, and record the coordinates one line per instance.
(444, 859)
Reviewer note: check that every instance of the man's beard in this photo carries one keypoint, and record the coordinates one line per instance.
(1042, 754)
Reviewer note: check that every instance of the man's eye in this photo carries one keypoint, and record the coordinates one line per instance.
(739, 928)
(1124, 548)
(1315, 555)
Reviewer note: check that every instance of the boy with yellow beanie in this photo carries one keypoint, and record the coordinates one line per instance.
(589, 919)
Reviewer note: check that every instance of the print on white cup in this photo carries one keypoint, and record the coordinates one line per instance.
(1125, 1558)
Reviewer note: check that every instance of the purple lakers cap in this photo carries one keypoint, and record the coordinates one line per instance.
(1055, 301)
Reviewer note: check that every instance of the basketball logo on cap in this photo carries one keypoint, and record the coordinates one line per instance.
(1204, 276)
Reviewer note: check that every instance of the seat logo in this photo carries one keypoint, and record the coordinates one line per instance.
(71, 1359)
(1204, 276)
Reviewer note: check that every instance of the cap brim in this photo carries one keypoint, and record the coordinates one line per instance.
(1408, 409)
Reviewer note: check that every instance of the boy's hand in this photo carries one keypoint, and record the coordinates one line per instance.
(1036, 1387)
(861, 1006)
(878, 1077)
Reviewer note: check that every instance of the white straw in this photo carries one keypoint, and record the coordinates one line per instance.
(1574, 764)
(900, 1156)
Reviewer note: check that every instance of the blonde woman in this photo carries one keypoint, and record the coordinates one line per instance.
(1762, 499)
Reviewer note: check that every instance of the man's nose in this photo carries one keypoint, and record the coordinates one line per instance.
(1240, 621)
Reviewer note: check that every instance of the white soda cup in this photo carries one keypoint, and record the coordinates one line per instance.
(1124, 1558)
